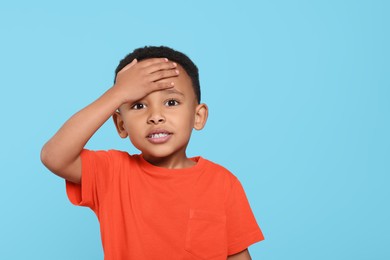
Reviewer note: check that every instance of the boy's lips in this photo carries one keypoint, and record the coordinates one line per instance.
(158, 136)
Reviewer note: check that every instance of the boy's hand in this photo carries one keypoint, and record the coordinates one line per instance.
(138, 79)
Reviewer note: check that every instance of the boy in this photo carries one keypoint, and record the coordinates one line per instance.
(159, 204)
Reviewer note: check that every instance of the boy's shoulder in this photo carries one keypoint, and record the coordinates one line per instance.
(111, 153)
(219, 170)
(111, 156)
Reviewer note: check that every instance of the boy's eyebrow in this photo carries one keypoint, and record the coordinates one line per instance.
(173, 91)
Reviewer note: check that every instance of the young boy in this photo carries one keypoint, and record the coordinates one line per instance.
(159, 204)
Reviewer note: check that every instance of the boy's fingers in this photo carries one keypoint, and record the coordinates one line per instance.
(163, 74)
(128, 66)
(160, 66)
(151, 61)
(162, 85)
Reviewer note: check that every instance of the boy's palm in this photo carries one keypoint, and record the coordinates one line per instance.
(138, 79)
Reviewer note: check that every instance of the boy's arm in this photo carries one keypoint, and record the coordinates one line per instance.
(243, 255)
(61, 154)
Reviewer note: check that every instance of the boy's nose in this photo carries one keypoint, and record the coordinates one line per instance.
(156, 118)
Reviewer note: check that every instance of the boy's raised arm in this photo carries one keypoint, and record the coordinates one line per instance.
(61, 154)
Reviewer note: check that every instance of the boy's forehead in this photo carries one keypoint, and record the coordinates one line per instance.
(173, 91)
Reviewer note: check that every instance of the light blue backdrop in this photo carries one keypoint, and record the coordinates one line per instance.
(299, 99)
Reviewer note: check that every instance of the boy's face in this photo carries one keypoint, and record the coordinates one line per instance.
(160, 124)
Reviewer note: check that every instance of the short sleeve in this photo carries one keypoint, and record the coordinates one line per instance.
(95, 179)
(242, 228)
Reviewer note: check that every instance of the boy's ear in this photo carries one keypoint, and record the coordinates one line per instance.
(118, 121)
(201, 114)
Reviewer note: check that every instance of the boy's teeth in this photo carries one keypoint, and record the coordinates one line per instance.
(159, 135)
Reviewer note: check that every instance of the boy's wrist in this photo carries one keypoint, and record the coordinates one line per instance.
(116, 96)
(122, 93)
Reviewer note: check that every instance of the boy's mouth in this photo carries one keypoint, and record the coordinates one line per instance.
(159, 136)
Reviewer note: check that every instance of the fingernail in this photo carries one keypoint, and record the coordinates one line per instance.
(177, 71)
(165, 59)
(174, 64)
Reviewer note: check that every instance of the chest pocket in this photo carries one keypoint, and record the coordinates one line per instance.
(206, 235)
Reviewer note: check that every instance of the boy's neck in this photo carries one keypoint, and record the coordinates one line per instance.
(171, 162)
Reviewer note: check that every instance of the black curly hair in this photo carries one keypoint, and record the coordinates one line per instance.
(148, 52)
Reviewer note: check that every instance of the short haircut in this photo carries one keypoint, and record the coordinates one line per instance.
(148, 52)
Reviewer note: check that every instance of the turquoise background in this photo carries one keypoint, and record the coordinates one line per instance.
(298, 93)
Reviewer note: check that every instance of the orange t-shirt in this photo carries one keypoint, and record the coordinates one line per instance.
(149, 212)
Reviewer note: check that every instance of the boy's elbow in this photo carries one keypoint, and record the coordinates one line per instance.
(55, 162)
(45, 158)
(50, 160)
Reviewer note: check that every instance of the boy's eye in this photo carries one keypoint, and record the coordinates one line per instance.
(138, 106)
(172, 102)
